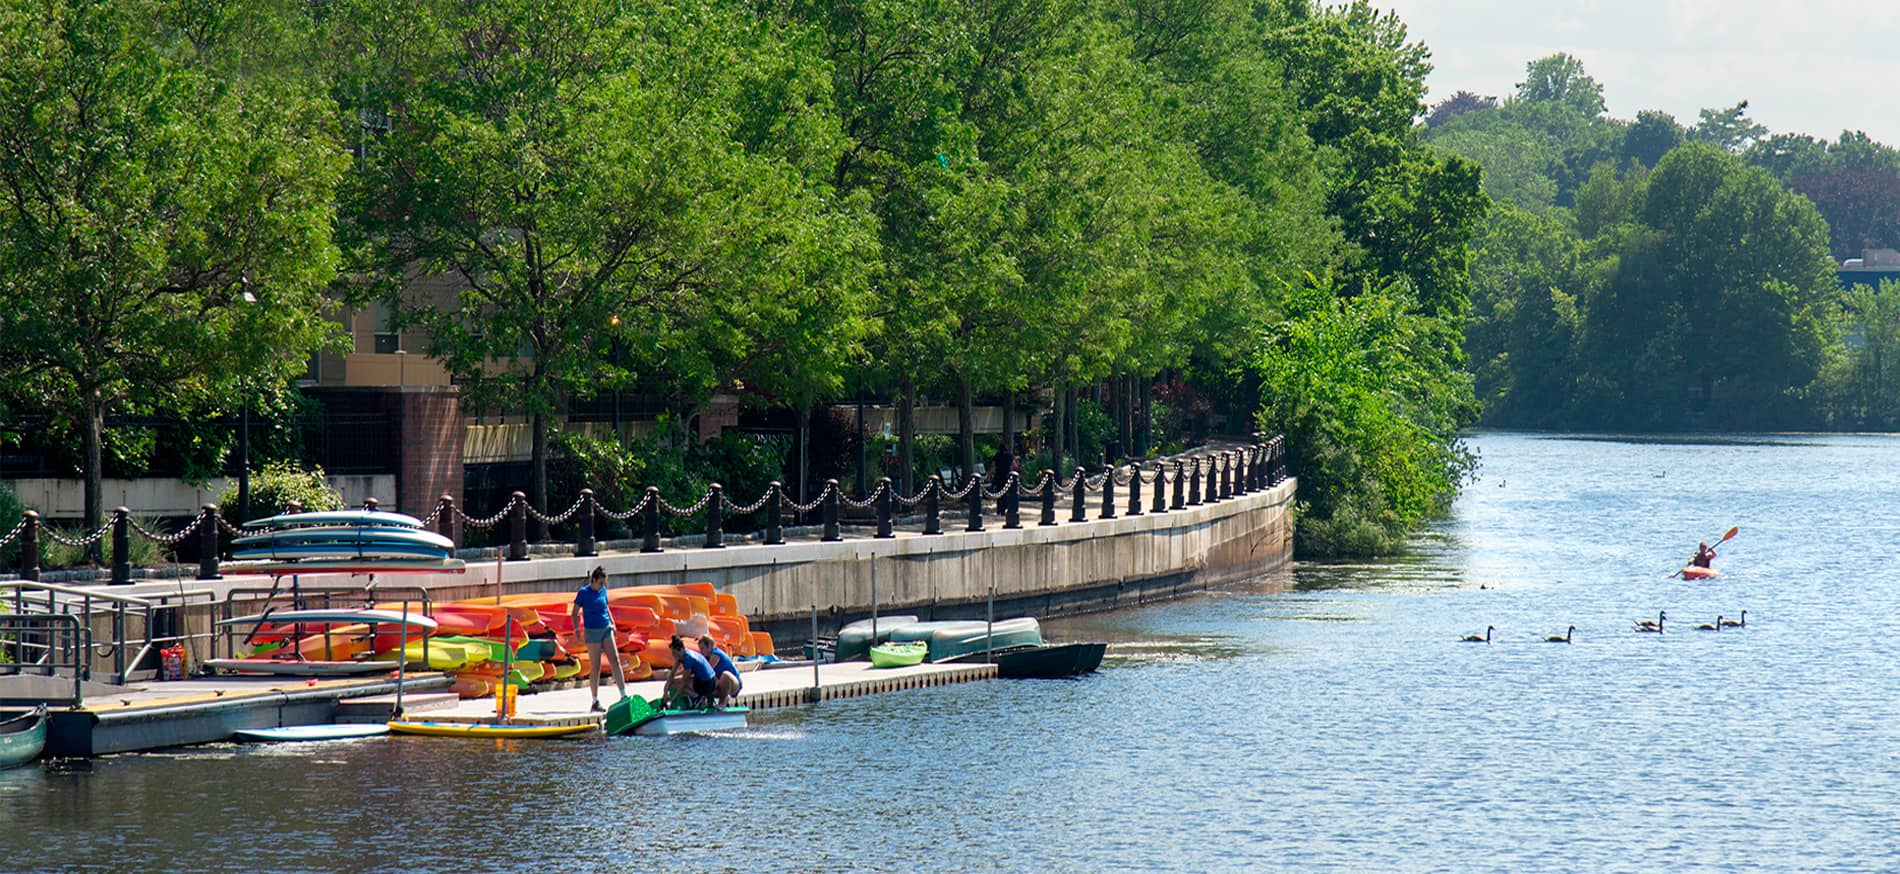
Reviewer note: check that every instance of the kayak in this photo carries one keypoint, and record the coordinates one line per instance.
(489, 729)
(1698, 573)
(898, 655)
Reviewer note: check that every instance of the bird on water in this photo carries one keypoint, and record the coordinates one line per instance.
(1656, 627)
(1472, 638)
(1730, 623)
(1715, 626)
(1561, 638)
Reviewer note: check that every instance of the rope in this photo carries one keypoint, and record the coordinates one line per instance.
(637, 508)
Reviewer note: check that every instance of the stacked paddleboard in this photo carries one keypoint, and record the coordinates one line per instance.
(345, 541)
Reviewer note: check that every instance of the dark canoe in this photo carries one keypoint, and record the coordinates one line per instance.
(1041, 662)
(22, 736)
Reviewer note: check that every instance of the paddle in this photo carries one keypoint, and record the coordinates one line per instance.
(1718, 542)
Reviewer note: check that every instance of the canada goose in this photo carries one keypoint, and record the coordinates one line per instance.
(1715, 627)
(1565, 638)
(1730, 623)
(1653, 627)
(1472, 638)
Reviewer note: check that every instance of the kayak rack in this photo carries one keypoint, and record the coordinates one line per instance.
(245, 601)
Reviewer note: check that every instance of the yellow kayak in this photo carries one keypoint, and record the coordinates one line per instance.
(489, 729)
(445, 655)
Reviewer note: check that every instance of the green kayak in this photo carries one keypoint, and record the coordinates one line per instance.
(898, 655)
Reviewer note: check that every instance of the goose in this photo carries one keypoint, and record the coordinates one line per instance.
(1564, 638)
(1730, 623)
(1472, 638)
(1717, 626)
(1653, 627)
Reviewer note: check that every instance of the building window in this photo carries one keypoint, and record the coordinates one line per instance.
(388, 340)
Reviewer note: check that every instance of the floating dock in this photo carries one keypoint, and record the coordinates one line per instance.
(170, 714)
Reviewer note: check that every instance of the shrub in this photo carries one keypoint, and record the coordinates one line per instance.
(276, 485)
(10, 512)
(142, 552)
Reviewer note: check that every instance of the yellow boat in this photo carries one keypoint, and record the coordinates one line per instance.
(490, 729)
(445, 655)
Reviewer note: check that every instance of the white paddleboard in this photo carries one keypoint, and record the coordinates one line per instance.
(337, 517)
(334, 617)
(311, 732)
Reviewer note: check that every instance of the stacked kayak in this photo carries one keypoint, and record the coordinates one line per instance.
(856, 639)
(321, 643)
(951, 639)
(345, 541)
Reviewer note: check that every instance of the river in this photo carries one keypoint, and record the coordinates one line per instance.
(1326, 719)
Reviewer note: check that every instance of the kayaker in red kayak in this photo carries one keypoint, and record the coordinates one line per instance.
(1704, 556)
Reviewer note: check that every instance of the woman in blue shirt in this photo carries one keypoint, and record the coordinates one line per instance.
(595, 627)
(692, 679)
(726, 680)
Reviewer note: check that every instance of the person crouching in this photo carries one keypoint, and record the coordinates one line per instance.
(726, 680)
(692, 682)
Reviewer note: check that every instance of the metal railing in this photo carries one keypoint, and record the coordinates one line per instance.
(139, 625)
(47, 644)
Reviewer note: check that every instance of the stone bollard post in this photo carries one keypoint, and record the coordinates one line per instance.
(975, 500)
(1108, 494)
(884, 502)
(121, 546)
(1180, 480)
(518, 527)
(1161, 488)
(1048, 498)
(1134, 489)
(208, 542)
(933, 514)
(1194, 484)
(1080, 511)
(650, 521)
(1012, 501)
(775, 520)
(1226, 475)
(30, 547)
(715, 516)
(445, 516)
(831, 512)
(584, 546)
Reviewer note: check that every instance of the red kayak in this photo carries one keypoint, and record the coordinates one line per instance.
(1698, 573)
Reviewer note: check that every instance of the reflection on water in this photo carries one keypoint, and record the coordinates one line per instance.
(1327, 719)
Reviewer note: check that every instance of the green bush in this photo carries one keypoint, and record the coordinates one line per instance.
(142, 552)
(276, 485)
(10, 512)
(619, 472)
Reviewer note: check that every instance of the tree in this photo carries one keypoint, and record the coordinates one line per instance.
(166, 228)
(1456, 105)
(1560, 79)
(584, 175)
(1651, 137)
(1867, 377)
(1862, 208)
(1729, 128)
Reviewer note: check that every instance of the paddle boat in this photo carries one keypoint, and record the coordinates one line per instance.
(636, 715)
(898, 655)
(22, 736)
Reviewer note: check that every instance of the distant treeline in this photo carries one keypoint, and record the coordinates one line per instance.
(1647, 275)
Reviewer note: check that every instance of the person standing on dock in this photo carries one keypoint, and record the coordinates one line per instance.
(595, 627)
(726, 679)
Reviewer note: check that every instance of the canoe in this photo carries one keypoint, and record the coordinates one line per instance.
(310, 732)
(489, 729)
(1048, 662)
(1698, 573)
(637, 715)
(22, 736)
(950, 639)
(855, 640)
(898, 655)
(282, 668)
(337, 517)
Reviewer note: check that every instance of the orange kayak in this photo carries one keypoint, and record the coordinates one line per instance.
(1698, 573)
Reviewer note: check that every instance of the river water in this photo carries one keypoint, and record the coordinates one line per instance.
(1327, 719)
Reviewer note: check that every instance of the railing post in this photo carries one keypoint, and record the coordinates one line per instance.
(30, 547)
(1161, 488)
(1048, 498)
(1194, 483)
(121, 546)
(1180, 481)
(518, 527)
(370, 504)
(1080, 511)
(650, 521)
(1012, 501)
(445, 516)
(1209, 494)
(1240, 471)
(1226, 475)
(975, 500)
(208, 542)
(715, 516)
(884, 507)
(1108, 493)
(1134, 489)
(584, 547)
(831, 512)
(775, 519)
(933, 511)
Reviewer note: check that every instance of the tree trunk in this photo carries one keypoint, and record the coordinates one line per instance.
(1057, 423)
(1144, 436)
(95, 471)
(538, 475)
(906, 436)
(804, 455)
(966, 428)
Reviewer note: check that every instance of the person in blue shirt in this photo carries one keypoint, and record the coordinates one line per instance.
(692, 681)
(595, 627)
(726, 679)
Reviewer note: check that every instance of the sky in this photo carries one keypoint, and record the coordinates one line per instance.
(1816, 67)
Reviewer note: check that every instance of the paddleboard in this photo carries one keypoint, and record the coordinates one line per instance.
(358, 550)
(489, 729)
(332, 617)
(300, 669)
(369, 534)
(337, 517)
(311, 732)
(352, 566)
